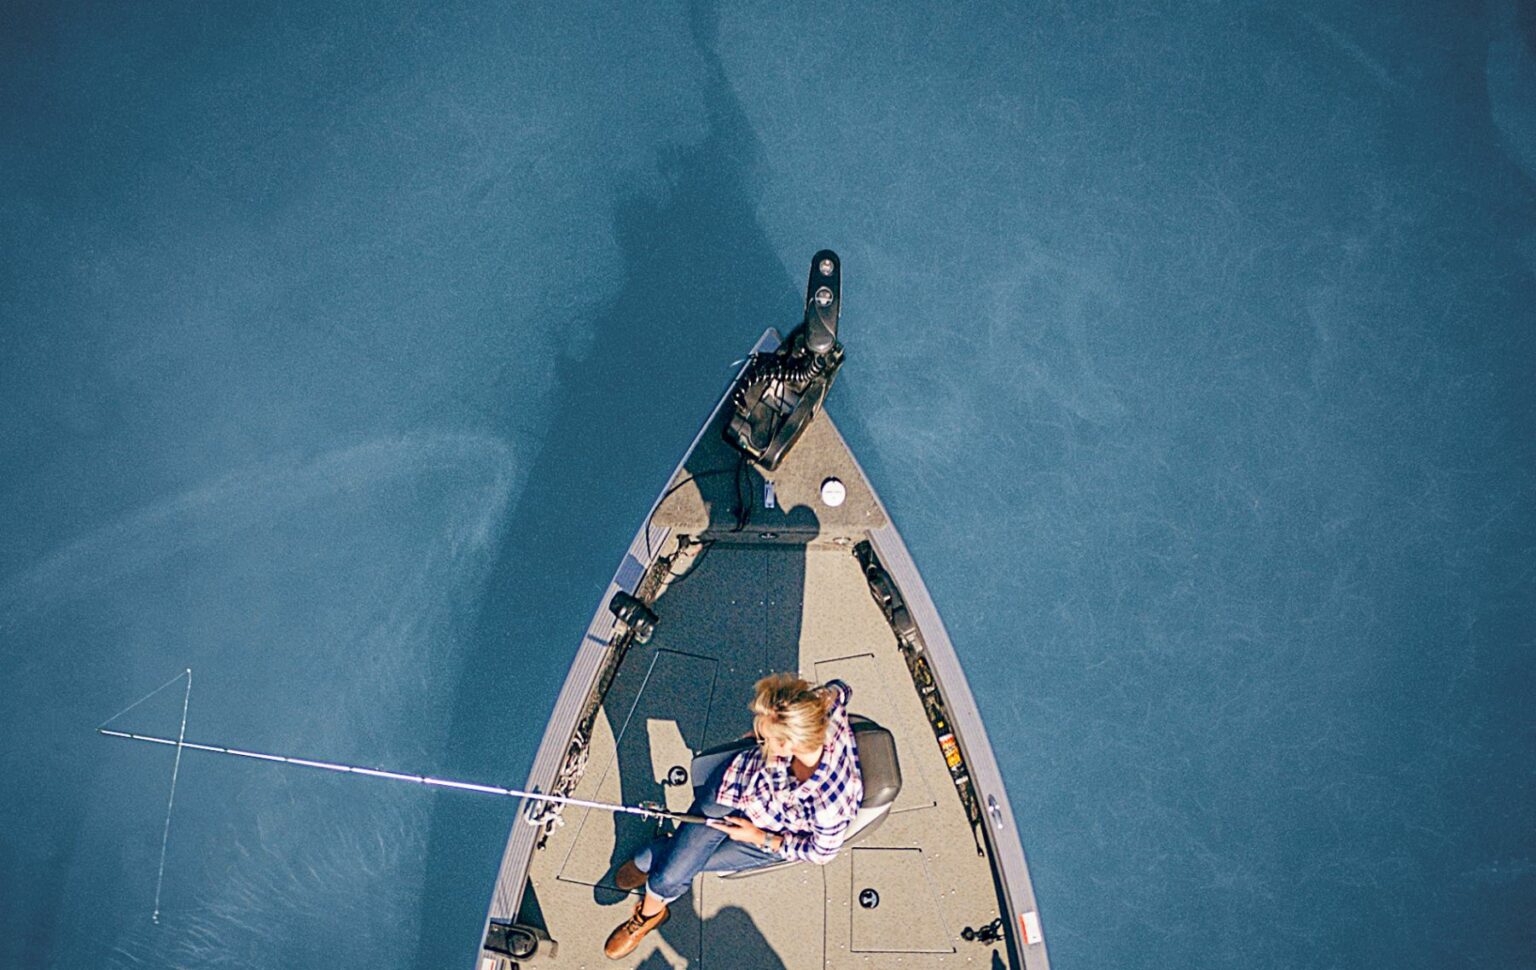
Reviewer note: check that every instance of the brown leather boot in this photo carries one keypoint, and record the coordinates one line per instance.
(622, 941)
(629, 876)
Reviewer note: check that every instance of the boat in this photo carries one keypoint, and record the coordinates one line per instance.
(768, 550)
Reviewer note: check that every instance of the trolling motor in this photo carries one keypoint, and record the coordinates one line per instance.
(780, 392)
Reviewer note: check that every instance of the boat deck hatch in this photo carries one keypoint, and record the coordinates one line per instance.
(893, 904)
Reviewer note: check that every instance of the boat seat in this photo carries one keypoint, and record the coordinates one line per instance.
(879, 769)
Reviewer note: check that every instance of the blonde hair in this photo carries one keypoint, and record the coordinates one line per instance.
(791, 707)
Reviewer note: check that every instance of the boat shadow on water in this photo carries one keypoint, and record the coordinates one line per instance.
(621, 407)
(786, 562)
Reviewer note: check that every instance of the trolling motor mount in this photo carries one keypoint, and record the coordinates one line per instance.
(780, 392)
(513, 940)
(633, 615)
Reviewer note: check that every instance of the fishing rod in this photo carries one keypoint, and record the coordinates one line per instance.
(644, 809)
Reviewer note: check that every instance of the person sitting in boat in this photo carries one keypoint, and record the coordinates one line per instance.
(793, 796)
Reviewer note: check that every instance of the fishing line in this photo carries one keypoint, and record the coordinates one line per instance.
(165, 836)
(668, 494)
(181, 737)
(186, 673)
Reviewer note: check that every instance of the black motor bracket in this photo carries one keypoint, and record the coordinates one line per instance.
(780, 392)
(509, 939)
(634, 614)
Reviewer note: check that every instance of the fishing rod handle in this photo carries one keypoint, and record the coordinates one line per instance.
(698, 819)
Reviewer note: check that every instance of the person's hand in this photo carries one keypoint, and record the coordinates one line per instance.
(738, 829)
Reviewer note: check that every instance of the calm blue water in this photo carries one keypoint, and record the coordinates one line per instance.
(1191, 345)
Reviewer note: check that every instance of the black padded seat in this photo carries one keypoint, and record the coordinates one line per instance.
(879, 769)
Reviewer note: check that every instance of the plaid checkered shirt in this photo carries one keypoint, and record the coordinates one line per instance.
(812, 815)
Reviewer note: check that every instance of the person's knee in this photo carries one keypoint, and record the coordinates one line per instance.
(683, 858)
(666, 884)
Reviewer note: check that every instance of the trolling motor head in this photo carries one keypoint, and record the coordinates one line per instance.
(823, 302)
(779, 393)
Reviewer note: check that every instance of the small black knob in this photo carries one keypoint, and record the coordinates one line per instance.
(868, 898)
(677, 775)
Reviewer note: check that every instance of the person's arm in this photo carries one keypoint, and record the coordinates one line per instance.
(820, 845)
(845, 693)
(739, 829)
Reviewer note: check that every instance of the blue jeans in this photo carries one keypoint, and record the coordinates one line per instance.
(672, 862)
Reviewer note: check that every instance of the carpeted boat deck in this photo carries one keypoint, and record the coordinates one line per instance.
(784, 593)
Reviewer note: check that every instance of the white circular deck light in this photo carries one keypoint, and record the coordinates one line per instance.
(833, 492)
(824, 296)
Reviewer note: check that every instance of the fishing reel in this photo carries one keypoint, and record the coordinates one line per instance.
(780, 392)
(657, 814)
